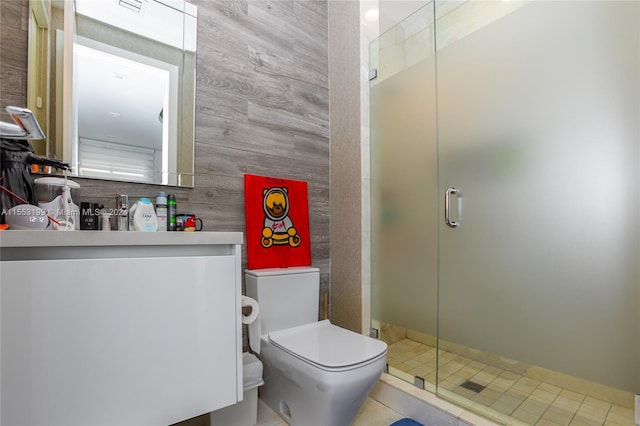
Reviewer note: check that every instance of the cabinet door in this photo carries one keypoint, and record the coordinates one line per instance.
(117, 341)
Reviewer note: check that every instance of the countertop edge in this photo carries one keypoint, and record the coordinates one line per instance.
(11, 239)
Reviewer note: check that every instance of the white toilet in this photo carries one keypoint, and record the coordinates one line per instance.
(315, 373)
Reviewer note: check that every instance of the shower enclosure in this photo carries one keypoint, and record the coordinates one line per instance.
(505, 179)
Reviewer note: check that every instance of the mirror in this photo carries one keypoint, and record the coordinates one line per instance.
(121, 89)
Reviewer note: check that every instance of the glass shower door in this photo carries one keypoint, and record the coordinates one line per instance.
(404, 196)
(538, 112)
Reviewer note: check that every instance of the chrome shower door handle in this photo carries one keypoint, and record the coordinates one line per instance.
(447, 203)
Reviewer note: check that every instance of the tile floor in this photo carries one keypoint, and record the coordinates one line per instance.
(529, 401)
(372, 413)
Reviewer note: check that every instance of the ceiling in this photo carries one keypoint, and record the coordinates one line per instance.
(119, 100)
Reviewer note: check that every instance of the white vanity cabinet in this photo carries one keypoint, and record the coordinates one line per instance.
(118, 328)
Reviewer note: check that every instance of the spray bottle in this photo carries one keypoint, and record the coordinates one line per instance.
(161, 211)
(171, 212)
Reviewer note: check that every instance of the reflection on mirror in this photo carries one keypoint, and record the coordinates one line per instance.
(122, 95)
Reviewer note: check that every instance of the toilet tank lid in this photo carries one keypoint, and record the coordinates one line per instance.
(281, 271)
(327, 345)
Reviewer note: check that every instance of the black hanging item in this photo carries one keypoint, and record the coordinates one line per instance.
(15, 173)
(16, 157)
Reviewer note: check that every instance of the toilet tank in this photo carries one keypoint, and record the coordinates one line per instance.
(287, 297)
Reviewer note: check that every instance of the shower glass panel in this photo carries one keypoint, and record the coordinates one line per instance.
(538, 129)
(404, 196)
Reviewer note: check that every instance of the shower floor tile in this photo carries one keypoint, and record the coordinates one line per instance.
(525, 399)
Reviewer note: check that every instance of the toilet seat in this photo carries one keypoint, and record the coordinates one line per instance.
(327, 346)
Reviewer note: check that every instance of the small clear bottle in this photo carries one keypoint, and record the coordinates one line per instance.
(122, 212)
(161, 211)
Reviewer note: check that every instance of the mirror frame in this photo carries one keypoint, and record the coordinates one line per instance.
(66, 123)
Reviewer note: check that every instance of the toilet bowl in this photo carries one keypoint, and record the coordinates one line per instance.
(319, 374)
(315, 373)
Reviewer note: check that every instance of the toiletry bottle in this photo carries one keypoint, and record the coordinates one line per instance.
(90, 216)
(105, 221)
(142, 216)
(171, 212)
(122, 212)
(161, 211)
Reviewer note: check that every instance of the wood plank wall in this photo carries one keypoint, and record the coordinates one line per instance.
(14, 32)
(262, 107)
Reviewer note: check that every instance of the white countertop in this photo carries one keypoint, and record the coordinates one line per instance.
(13, 238)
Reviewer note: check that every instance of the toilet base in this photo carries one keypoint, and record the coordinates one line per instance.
(303, 394)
